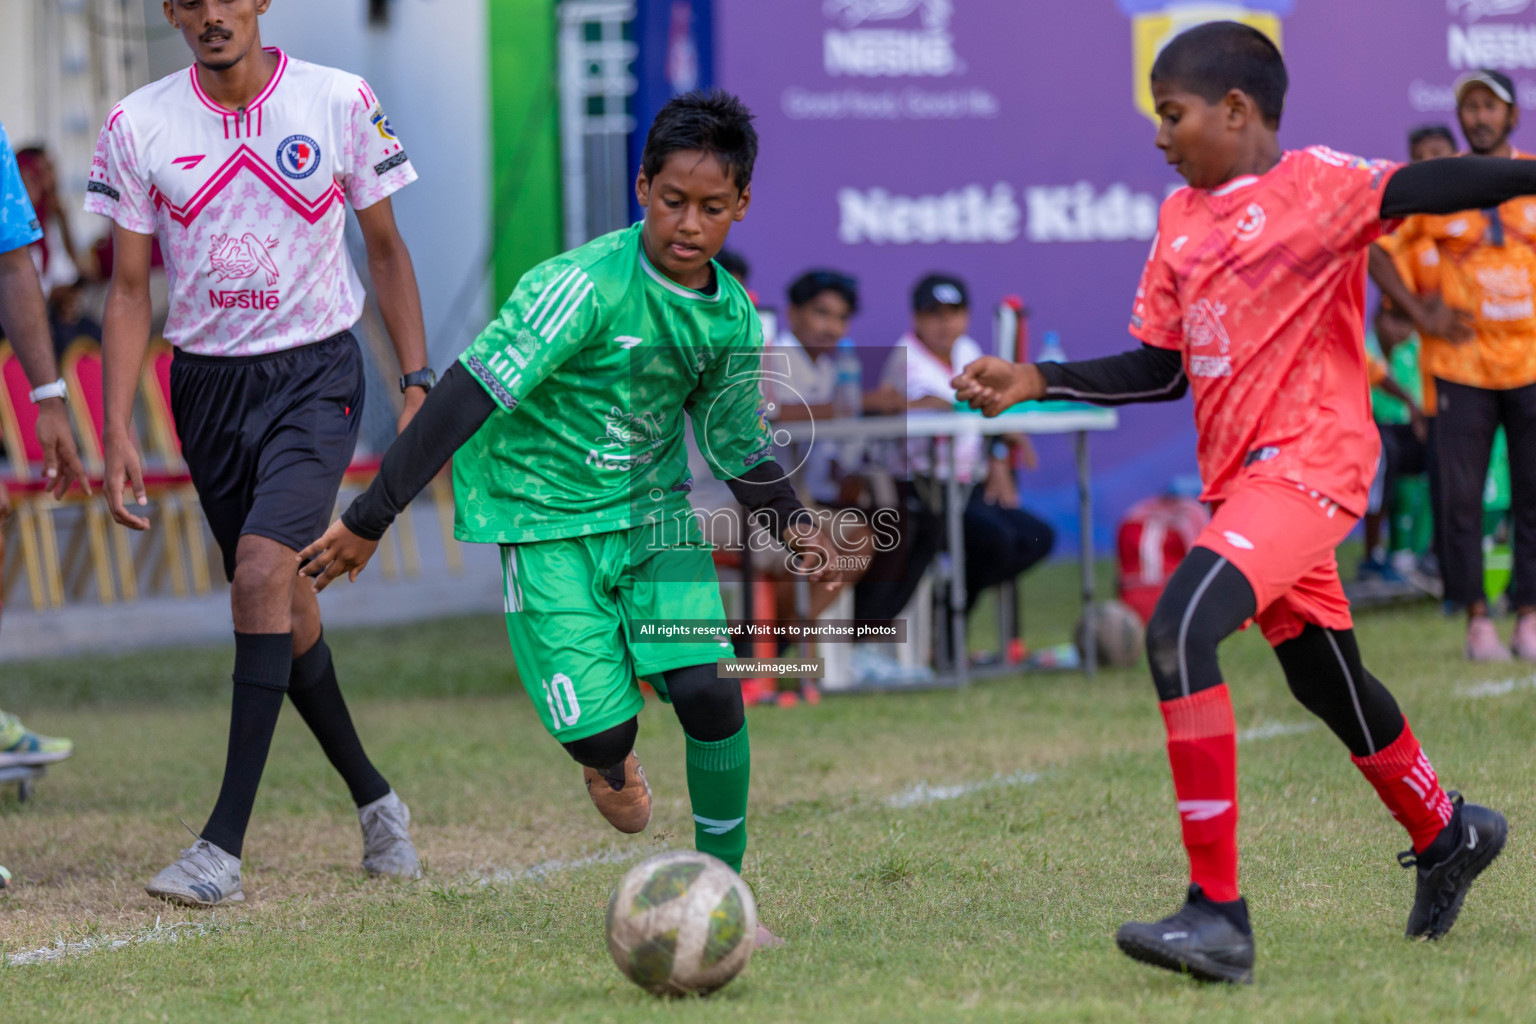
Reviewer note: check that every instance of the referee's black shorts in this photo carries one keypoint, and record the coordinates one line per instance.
(267, 438)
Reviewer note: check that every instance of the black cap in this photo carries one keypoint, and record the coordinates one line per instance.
(1495, 82)
(939, 290)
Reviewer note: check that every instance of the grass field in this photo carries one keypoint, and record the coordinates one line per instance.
(929, 856)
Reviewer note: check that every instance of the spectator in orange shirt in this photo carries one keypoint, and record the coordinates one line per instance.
(1405, 447)
(1480, 345)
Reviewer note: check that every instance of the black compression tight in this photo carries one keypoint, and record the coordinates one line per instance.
(1208, 599)
(709, 709)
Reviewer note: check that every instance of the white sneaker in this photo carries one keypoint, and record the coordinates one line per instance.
(387, 846)
(203, 876)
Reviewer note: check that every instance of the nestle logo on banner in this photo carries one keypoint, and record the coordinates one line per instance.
(924, 49)
(1067, 213)
(970, 214)
(1495, 45)
(1077, 213)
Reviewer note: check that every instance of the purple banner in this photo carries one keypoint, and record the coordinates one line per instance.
(1012, 143)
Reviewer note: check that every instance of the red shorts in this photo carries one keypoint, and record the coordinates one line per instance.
(1282, 537)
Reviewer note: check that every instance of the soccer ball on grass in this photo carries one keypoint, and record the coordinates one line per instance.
(681, 923)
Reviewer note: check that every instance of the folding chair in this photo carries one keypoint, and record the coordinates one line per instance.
(33, 525)
(81, 367)
(160, 424)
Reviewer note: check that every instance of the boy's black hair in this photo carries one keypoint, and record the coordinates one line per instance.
(1212, 59)
(713, 122)
(812, 283)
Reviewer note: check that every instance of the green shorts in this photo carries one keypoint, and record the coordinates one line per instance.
(572, 605)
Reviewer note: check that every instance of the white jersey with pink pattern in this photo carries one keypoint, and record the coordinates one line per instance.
(249, 205)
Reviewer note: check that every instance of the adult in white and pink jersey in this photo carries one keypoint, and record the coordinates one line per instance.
(249, 205)
(242, 166)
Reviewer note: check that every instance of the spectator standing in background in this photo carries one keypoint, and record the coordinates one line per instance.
(1405, 429)
(1480, 346)
(24, 317)
(61, 268)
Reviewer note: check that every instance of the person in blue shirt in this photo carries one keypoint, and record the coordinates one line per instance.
(24, 320)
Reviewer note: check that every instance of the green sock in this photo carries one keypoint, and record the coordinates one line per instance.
(717, 786)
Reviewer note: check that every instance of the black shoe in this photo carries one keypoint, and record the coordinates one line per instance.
(1201, 940)
(1478, 834)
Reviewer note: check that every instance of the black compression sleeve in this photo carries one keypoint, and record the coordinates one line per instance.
(1456, 183)
(455, 409)
(1147, 374)
(768, 495)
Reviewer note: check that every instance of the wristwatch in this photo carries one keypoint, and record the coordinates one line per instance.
(424, 379)
(58, 389)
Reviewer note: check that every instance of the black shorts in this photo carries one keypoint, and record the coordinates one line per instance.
(267, 438)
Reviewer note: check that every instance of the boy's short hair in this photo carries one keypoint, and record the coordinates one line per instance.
(713, 122)
(1212, 59)
(812, 283)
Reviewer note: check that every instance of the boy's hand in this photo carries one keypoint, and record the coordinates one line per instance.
(339, 552)
(816, 553)
(992, 384)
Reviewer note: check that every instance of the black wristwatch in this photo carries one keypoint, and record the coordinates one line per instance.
(424, 379)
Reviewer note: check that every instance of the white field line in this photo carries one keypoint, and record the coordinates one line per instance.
(541, 871)
(1274, 730)
(1497, 687)
(156, 933)
(917, 795)
(923, 793)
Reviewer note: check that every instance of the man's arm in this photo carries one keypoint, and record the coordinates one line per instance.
(394, 286)
(1431, 317)
(24, 314)
(124, 340)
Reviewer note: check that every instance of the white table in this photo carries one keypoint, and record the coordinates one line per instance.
(1053, 418)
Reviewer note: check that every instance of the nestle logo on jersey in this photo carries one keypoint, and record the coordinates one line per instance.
(243, 299)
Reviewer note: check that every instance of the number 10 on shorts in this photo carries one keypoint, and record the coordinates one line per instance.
(560, 695)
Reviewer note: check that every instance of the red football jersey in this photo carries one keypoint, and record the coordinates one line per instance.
(1260, 284)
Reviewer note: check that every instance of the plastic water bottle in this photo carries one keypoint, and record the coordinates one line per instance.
(848, 395)
(1051, 350)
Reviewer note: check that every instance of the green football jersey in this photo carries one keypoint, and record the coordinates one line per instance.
(593, 363)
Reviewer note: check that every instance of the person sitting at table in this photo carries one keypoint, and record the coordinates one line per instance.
(1002, 539)
(799, 378)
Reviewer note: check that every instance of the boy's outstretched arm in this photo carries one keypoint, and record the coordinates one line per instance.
(450, 416)
(1456, 183)
(769, 497)
(1146, 374)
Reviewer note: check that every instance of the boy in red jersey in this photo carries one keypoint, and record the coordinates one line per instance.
(1253, 298)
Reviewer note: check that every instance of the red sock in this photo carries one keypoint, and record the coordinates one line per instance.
(1202, 748)
(1406, 783)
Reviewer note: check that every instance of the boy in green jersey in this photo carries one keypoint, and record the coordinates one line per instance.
(567, 416)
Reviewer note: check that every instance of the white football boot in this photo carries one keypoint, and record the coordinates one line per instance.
(203, 876)
(387, 846)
